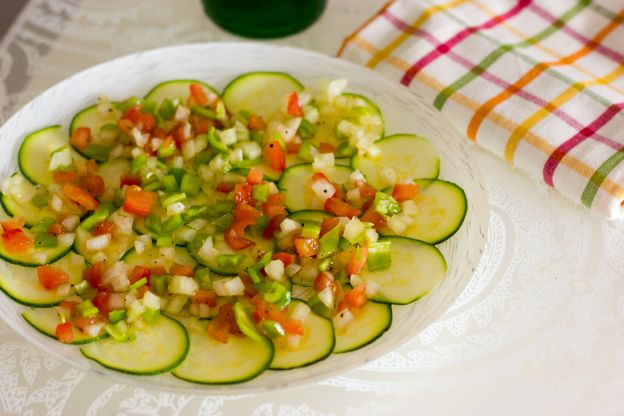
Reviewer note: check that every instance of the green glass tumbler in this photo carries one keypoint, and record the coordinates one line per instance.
(264, 18)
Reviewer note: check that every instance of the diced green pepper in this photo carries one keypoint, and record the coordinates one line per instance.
(386, 205)
(205, 112)
(153, 185)
(167, 109)
(86, 308)
(276, 293)
(98, 152)
(195, 211)
(223, 221)
(41, 200)
(169, 183)
(202, 158)
(341, 276)
(325, 264)
(42, 226)
(117, 315)
(191, 184)
(228, 261)
(260, 192)
(128, 103)
(245, 115)
(99, 215)
(343, 244)
(306, 129)
(254, 275)
(172, 224)
(254, 271)
(178, 174)
(215, 143)
(220, 111)
(173, 198)
(328, 243)
(141, 282)
(245, 323)
(119, 331)
(257, 136)
(272, 329)
(318, 307)
(305, 151)
(345, 150)
(152, 223)
(84, 290)
(223, 207)
(166, 150)
(379, 256)
(164, 241)
(137, 163)
(150, 315)
(310, 230)
(45, 240)
(159, 283)
(203, 278)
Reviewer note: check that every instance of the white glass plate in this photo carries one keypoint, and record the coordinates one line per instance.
(217, 64)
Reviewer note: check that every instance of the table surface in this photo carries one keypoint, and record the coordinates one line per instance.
(539, 329)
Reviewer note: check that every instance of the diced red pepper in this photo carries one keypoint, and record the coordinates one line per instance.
(200, 125)
(138, 202)
(306, 247)
(328, 224)
(56, 229)
(133, 114)
(265, 310)
(80, 138)
(64, 332)
(254, 176)
(234, 236)
(293, 148)
(404, 191)
(51, 277)
(367, 192)
(138, 273)
(372, 216)
(16, 241)
(358, 260)
(286, 258)
(272, 226)
(275, 156)
(327, 148)
(243, 193)
(246, 212)
(274, 205)
(61, 177)
(129, 180)
(323, 280)
(147, 122)
(293, 107)
(94, 274)
(340, 208)
(69, 306)
(80, 196)
(256, 123)
(125, 125)
(198, 94)
(84, 322)
(356, 297)
(209, 297)
(104, 227)
(101, 301)
(225, 187)
(220, 326)
(157, 270)
(178, 269)
(319, 176)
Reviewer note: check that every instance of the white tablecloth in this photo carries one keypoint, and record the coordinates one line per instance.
(539, 330)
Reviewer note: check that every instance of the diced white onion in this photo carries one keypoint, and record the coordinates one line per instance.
(207, 250)
(371, 235)
(120, 282)
(139, 138)
(371, 288)
(336, 88)
(139, 247)
(354, 230)
(176, 303)
(242, 132)
(304, 97)
(229, 287)
(135, 310)
(60, 159)
(343, 318)
(181, 114)
(356, 176)
(273, 188)
(167, 253)
(63, 290)
(56, 203)
(288, 226)
(40, 257)
(323, 190)
(228, 136)
(275, 270)
(409, 207)
(353, 196)
(116, 301)
(129, 298)
(71, 222)
(327, 297)
(300, 311)
(98, 243)
(182, 285)
(356, 280)
(75, 259)
(94, 329)
(123, 222)
(252, 150)
(177, 162)
(100, 256)
(66, 239)
(185, 234)
(186, 130)
(156, 143)
(293, 341)
(197, 224)
(236, 155)
(136, 152)
(175, 208)
(311, 114)
(151, 301)
(323, 161)
(407, 220)
(188, 149)
(388, 175)
(117, 268)
(396, 224)
(204, 310)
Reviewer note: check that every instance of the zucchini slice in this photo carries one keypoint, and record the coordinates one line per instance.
(416, 268)
(212, 362)
(175, 89)
(316, 344)
(310, 215)
(261, 93)
(370, 323)
(250, 255)
(22, 284)
(119, 245)
(442, 208)
(157, 348)
(92, 118)
(410, 156)
(45, 321)
(34, 256)
(151, 258)
(112, 171)
(35, 153)
(295, 184)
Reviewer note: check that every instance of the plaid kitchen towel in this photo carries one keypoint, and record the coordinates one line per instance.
(540, 83)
